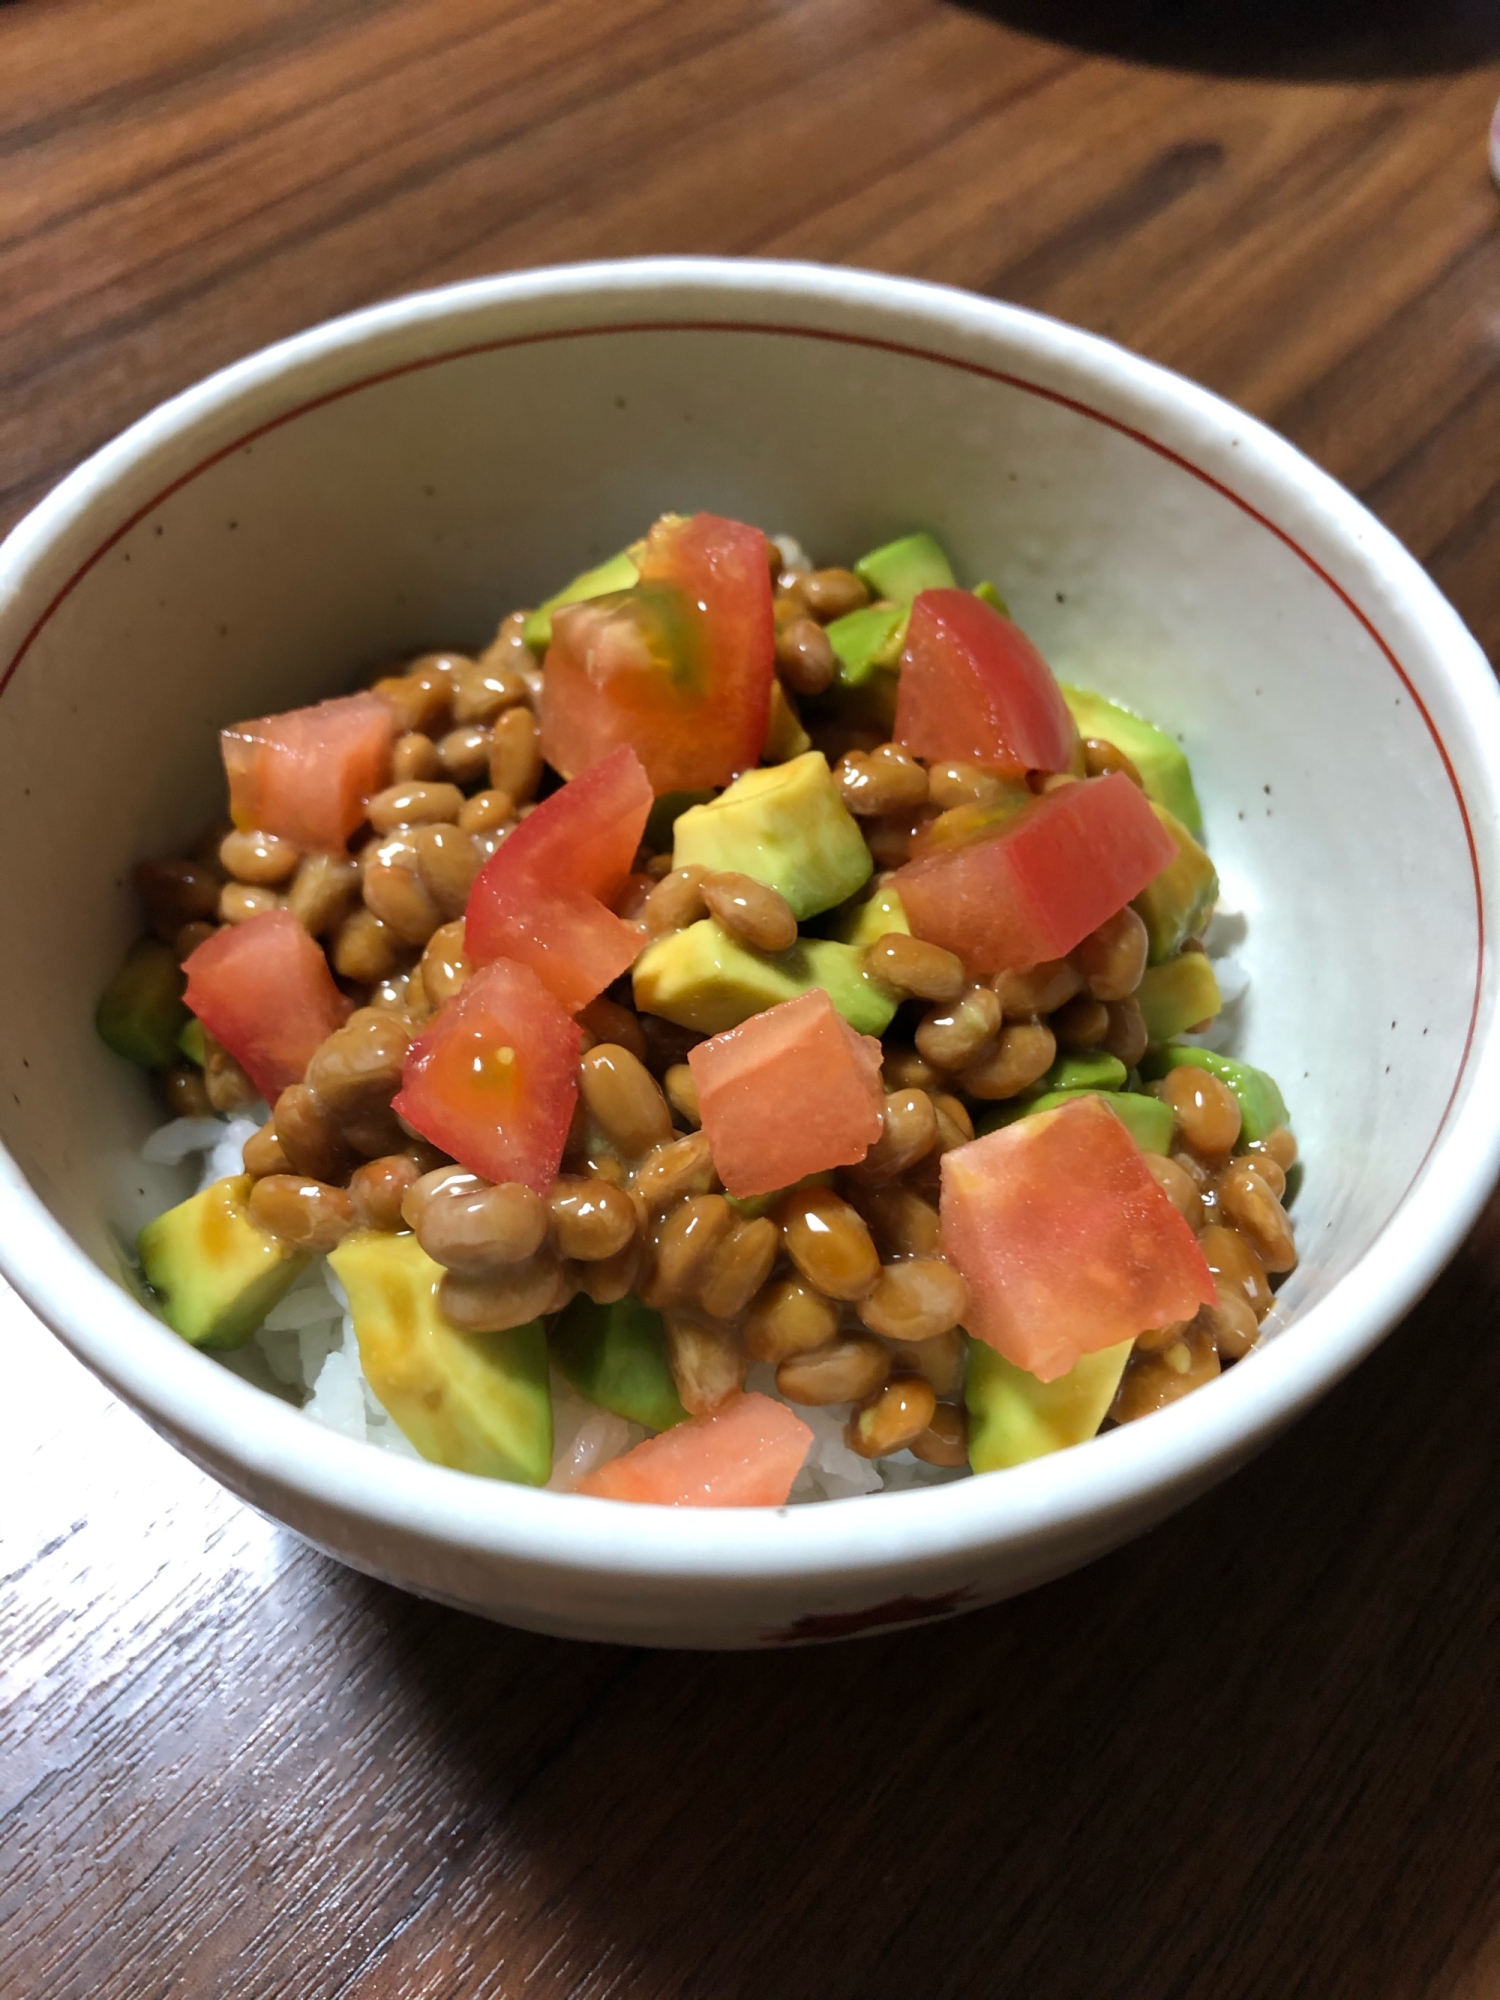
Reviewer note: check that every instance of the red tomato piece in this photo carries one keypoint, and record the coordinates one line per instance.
(1034, 886)
(746, 1454)
(307, 774)
(540, 898)
(1067, 1243)
(789, 1092)
(974, 687)
(680, 667)
(494, 1078)
(263, 989)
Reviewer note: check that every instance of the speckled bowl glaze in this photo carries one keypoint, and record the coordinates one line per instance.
(408, 474)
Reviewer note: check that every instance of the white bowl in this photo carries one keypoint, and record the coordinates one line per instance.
(409, 473)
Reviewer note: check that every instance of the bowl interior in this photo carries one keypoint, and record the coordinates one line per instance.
(340, 511)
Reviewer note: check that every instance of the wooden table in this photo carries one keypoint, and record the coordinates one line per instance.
(1255, 1754)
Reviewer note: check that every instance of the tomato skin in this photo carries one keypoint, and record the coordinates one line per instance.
(1066, 1241)
(307, 773)
(493, 1079)
(1046, 876)
(263, 989)
(541, 897)
(680, 667)
(803, 1054)
(974, 687)
(746, 1453)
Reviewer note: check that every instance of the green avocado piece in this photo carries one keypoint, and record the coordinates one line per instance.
(1262, 1107)
(619, 573)
(215, 1272)
(1179, 901)
(867, 641)
(876, 917)
(664, 815)
(1178, 995)
(786, 826)
(193, 1043)
(1094, 1069)
(141, 1012)
(1148, 1121)
(988, 594)
(617, 1356)
(1161, 761)
(901, 569)
(785, 736)
(1013, 1417)
(478, 1402)
(703, 978)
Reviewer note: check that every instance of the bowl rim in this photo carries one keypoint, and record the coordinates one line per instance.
(1130, 1471)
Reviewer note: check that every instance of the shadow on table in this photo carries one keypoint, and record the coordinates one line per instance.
(1251, 1755)
(1312, 39)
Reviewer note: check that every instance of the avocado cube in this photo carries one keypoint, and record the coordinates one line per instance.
(1148, 1121)
(619, 573)
(1093, 1069)
(141, 1012)
(1162, 763)
(1013, 1417)
(903, 568)
(1262, 1107)
(616, 1355)
(478, 1402)
(786, 826)
(703, 978)
(193, 1043)
(1179, 902)
(988, 594)
(1177, 996)
(664, 815)
(865, 923)
(867, 642)
(785, 736)
(215, 1272)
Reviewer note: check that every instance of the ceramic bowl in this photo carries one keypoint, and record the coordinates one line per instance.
(405, 476)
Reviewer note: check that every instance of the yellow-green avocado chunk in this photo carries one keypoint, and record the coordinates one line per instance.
(1162, 763)
(902, 570)
(785, 826)
(1013, 1417)
(1177, 996)
(141, 1012)
(616, 1355)
(876, 917)
(215, 1272)
(478, 1402)
(703, 978)
(618, 573)
(1178, 903)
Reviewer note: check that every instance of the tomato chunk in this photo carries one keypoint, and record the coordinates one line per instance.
(787, 1093)
(1035, 885)
(263, 989)
(1066, 1241)
(974, 687)
(680, 667)
(540, 898)
(746, 1454)
(494, 1078)
(308, 773)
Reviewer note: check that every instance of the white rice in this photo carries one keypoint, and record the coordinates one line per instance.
(309, 1346)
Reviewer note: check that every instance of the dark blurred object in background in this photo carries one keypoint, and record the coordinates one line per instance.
(1312, 39)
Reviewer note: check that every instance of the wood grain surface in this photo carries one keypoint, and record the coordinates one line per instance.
(1257, 1753)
